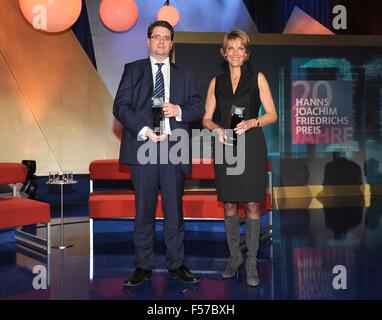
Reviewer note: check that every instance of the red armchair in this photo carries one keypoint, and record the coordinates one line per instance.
(16, 212)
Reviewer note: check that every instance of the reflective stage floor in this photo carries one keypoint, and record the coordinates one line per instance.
(329, 252)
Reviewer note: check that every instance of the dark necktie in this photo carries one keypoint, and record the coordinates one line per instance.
(159, 82)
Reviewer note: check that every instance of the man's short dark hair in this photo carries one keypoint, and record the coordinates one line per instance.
(160, 23)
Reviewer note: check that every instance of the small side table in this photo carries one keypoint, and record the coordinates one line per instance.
(61, 183)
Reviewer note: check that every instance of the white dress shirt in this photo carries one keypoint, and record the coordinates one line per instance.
(166, 78)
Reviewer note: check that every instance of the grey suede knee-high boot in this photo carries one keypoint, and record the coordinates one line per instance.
(252, 238)
(232, 230)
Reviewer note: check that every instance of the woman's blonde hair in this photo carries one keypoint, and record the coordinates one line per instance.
(234, 35)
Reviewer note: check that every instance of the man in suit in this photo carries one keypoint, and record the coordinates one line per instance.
(142, 81)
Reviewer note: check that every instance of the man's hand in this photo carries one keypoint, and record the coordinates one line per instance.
(170, 110)
(153, 137)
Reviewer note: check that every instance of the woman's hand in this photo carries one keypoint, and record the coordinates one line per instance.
(222, 135)
(245, 125)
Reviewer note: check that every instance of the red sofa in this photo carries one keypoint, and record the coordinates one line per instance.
(16, 212)
(197, 203)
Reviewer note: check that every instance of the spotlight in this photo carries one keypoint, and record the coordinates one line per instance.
(30, 184)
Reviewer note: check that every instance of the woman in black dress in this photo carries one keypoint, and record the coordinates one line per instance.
(245, 86)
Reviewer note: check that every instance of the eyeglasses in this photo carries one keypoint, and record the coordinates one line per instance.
(159, 38)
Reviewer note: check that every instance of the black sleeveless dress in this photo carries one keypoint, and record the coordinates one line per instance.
(250, 185)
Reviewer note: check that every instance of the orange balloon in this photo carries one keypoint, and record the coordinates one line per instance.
(168, 13)
(51, 15)
(118, 15)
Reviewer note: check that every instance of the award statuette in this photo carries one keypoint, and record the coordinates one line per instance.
(158, 116)
(237, 116)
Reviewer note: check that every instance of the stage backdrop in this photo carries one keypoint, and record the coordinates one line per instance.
(327, 93)
(113, 49)
(54, 107)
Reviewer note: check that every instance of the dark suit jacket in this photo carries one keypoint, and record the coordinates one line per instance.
(132, 105)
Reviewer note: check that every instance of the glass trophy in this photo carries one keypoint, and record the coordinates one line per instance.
(237, 116)
(158, 116)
